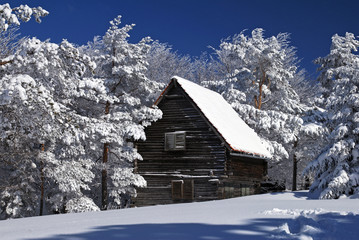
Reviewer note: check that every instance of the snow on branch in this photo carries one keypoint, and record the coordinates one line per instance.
(9, 16)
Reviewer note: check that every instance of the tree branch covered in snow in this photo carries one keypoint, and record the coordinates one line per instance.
(52, 101)
(259, 77)
(13, 16)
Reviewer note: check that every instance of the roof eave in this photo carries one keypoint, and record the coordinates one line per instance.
(249, 155)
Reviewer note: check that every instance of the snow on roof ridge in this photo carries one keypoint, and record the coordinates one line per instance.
(224, 118)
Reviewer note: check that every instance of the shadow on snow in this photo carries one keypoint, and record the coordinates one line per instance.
(299, 194)
(321, 226)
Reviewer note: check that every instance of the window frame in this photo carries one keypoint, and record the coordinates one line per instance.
(178, 145)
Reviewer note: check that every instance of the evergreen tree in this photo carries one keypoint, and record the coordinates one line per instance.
(336, 169)
(121, 66)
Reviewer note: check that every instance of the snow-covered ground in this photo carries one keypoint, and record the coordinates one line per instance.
(269, 216)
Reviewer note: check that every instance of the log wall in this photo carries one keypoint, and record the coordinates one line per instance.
(197, 173)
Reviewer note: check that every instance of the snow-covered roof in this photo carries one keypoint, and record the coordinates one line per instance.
(237, 134)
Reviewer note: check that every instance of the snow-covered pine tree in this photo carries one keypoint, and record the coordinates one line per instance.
(27, 126)
(262, 67)
(62, 160)
(122, 66)
(256, 74)
(312, 138)
(52, 138)
(57, 82)
(336, 169)
(312, 133)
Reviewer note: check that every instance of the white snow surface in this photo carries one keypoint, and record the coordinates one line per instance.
(290, 215)
(225, 119)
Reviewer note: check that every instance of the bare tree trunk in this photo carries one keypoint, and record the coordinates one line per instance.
(258, 99)
(295, 167)
(42, 179)
(104, 192)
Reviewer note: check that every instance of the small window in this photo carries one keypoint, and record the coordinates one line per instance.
(175, 141)
(245, 190)
(227, 190)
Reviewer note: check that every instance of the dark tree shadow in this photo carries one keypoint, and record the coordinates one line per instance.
(299, 194)
(322, 226)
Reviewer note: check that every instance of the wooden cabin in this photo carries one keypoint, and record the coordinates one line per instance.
(200, 150)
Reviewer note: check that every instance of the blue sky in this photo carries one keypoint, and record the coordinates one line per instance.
(190, 26)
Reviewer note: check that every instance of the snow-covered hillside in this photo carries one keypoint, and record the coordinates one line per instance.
(269, 216)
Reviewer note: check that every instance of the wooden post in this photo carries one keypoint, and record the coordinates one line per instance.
(42, 183)
(104, 192)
